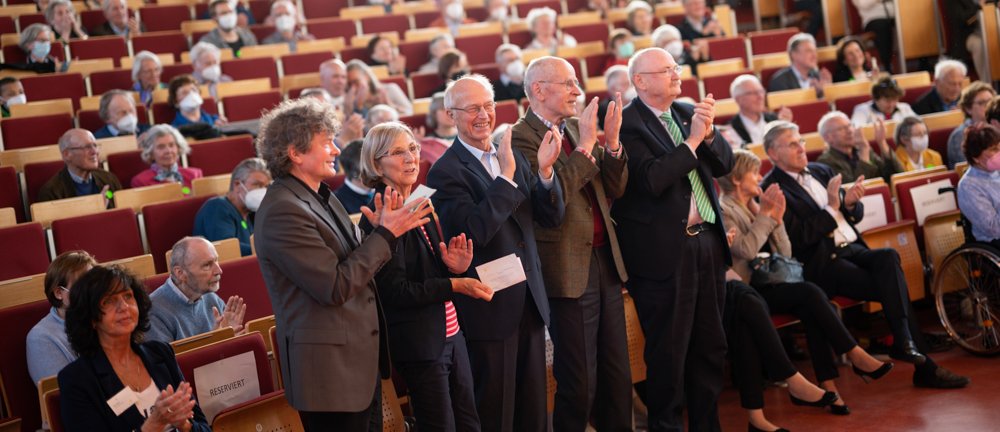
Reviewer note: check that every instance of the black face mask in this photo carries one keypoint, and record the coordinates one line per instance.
(455, 76)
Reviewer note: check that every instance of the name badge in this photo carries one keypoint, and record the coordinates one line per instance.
(122, 401)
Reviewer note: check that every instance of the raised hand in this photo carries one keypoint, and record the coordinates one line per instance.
(394, 216)
(701, 122)
(471, 287)
(353, 129)
(880, 133)
(172, 408)
(232, 316)
(548, 152)
(784, 113)
(833, 191)
(612, 123)
(588, 126)
(505, 155)
(854, 194)
(769, 202)
(457, 255)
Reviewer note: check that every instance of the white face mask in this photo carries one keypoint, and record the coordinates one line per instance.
(676, 49)
(127, 123)
(455, 11)
(285, 23)
(227, 21)
(499, 14)
(919, 143)
(191, 102)
(212, 73)
(253, 198)
(17, 100)
(515, 70)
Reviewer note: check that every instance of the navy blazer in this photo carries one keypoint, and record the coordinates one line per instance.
(652, 215)
(783, 79)
(105, 132)
(737, 123)
(86, 385)
(808, 225)
(498, 218)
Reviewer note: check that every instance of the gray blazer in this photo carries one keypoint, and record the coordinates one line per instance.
(331, 333)
(751, 234)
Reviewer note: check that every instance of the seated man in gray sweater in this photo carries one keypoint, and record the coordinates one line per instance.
(186, 304)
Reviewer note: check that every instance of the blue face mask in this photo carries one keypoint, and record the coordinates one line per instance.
(41, 49)
(626, 49)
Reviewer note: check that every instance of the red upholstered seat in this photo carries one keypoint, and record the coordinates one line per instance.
(168, 222)
(250, 106)
(170, 71)
(103, 81)
(417, 53)
(594, 32)
(253, 342)
(26, 132)
(164, 18)
(728, 48)
(718, 85)
(126, 165)
(479, 49)
(242, 277)
(506, 112)
(99, 47)
(241, 69)
(30, 257)
(108, 236)
(385, 23)
(55, 86)
(771, 41)
(323, 8)
(325, 28)
(173, 42)
(294, 64)
(10, 192)
(424, 84)
(807, 114)
(153, 282)
(36, 174)
(846, 105)
(221, 155)
(16, 321)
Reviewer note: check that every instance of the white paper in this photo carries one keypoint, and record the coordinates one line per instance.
(874, 213)
(420, 192)
(927, 200)
(122, 401)
(227, 382)
(502, 272)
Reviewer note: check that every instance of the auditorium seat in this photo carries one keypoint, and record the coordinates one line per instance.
(424, 19)
(163, 113)
(807, 114)
(221, 155)
(167, 222)
(250, 106)
(479, 49)
(939, 141)
(294, 64)
(151, 283)
(99, 47)
(335, 182)
(29, 257)
(728, 48)
(914, 93)
(718, 85)
(101, 82)
(326, 28)
(164, 18)
(7, 25)
(241, 69)
(173, 42)
(242, 277)
(55, 86)
(16, 322)
(37, 174)
(413, 121)
(360, 53)
(417, 53)
(34, 131)
(108, 236)
(261, 31)
(489, 70)
(10, 192)
(323, 8)
(596, 32)
(770, 41)
(14, 54)
(91, 119)
(191, 360)
(846, 105)
(270, 411)
(907, 209)
(385, 23)
(767, 73)
(424, 84)
(126, 165)
(506, 112)
(689, 88)
(170, 71)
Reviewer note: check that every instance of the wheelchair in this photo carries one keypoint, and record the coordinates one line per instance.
(966, 291)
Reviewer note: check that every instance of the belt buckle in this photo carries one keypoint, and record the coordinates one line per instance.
(693, 230)
(843, 245)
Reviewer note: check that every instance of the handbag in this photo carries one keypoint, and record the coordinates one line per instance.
(771, 269)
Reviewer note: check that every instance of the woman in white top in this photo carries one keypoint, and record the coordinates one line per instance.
(885, 104)
(542, 22)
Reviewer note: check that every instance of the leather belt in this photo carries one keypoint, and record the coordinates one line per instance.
(693, 230)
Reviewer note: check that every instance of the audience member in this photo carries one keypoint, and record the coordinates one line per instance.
(244, 17)
(417, 290)
(820, 219)
(185, 96)
(669, 39)
(383, 51)
(498, 11)
(853, 62)
(146, 76)
(206, 69)
(885, 104)
(452, 16)
(979, 188)
(850, 154)
(83, 174)
(753, 117)
(36, 42)
(698, 22)
(365, 91)
(333, 79)
(48, 347)
(453, 65)
(966, 38)
(973, 102)
(161, 147)
(583, 269)
(379, 114)
(117, 110)
(639, 18)
(320, 273)
(814, 20)
(227, 34)
(441, 130)
(232, 215)
(285, 17)
(187, 304)
(117, 21)
(603, 6)
(545, 35)
(439, 45)
(61, 16)
(804, 71)
(912, 140)
(679, 291)
(353, 194)
(492, 195)
(620, 49)
(879, 17)
(105, 323)
(616, 79)
(943, 96)
(11, 93)
(511, 83)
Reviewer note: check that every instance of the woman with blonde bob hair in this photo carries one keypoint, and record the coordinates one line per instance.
(417, 286)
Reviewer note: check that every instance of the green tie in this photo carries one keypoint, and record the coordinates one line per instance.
(701, 199)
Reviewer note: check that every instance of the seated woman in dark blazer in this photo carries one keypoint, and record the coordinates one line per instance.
(416, 287)
(120, 383)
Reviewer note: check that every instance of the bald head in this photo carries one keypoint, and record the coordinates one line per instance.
(542, 69)
(79, 151)
(333, 77)
(552, 88)
(653, 74)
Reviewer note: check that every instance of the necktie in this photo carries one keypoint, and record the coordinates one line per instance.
(701, 199)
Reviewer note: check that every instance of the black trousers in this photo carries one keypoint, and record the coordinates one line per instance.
(591, 353)
(368, 420)
(685, 343)
(824, 329)
(884, 29)
(441, 390)
(815, 9)
(509, 376)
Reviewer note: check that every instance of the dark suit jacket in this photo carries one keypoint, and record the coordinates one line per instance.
(688, 32)
(105, 29)
(86, 385)
(321, 283)
(652, 215)
(565, 251)
(105, 132)
(61, 185)
(928, 103)
(499, 219)
(510, 91)
(783, 79)
(808, 225)
(737, 124)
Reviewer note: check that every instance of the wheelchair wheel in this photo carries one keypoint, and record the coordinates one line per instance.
(967, 295)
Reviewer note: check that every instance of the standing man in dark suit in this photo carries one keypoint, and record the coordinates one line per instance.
(750, 96)
(673, 242)
(581, 263)
(319, 272)
(820, 219)
(492, 195)
(804, 71)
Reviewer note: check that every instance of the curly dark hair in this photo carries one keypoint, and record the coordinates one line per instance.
(175, 84)
(842, 46)
(978, 139)
(85, 306)
(293, 123)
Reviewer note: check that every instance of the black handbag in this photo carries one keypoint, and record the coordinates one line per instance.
(771, 269)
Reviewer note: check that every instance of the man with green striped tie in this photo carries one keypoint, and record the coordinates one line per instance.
(673, 242)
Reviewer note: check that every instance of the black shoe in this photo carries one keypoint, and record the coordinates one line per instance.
(752, 428)
(941, 378)
(828, 399)
(840, 410)
(907, 352)
(875, 374)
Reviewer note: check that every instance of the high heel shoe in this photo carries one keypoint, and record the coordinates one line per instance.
(840, 410)
(828, 399)
(752, 428)
(875, 374)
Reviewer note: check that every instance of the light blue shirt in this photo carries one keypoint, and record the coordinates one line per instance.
(48, 347)
(979, 200)
(494, 166)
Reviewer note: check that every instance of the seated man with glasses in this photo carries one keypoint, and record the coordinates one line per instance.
(849, 153)
(83, 174)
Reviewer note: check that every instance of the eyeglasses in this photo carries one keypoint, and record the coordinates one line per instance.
(413, 151)
(112, 302)
(88, 147)
(676, 69)
(472, 110)
(570, 83)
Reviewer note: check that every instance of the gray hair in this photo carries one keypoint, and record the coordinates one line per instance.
(824, 122)
(317, 92)
(947, 65)
(66, 139)
(536, 13)
(612, 71)
(905, 128)
(441, 37)
(140, 57)
(246, 167)
(201, 48)
(106, 98)
(437, 103)
(449, 93)
(378, 142)
(665, 33)
(106, 4)
(736, 89)
(775, 129)
(147, 141)
(179, 254)
(798, 39)
(379, 114)
(503, 48)
(373, 81)
(30, 33)
(636, 5)
(324, 68)
(537, 69)
(292, 124)
(50, 10)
